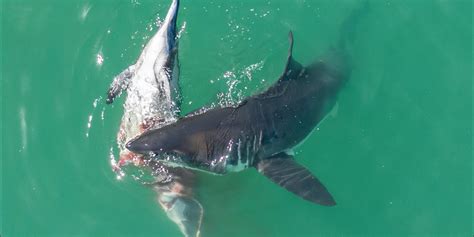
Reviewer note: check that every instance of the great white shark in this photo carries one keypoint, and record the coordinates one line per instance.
(261, 131)
(153, 99)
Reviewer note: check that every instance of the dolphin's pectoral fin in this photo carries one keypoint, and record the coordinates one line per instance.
(120, 83)
(284, 171)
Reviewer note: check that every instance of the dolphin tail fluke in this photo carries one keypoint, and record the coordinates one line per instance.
(176, 197)
(283, 170)
(172, 13)
(186, 212)
(171, 18)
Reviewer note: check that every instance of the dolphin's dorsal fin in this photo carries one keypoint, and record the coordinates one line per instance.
(283, 170)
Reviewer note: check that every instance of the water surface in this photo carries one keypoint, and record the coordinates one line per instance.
(397, 156)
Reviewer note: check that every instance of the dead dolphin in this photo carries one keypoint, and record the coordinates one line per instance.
(152, 100)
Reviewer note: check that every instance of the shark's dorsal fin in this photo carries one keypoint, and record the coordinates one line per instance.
(292, 71)
(283, 170)
(290, 50)
(292, 68)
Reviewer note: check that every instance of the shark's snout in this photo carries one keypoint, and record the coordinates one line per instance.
(138, 146)
(151, 141)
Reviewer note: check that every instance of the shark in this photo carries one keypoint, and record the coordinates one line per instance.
(261, 131)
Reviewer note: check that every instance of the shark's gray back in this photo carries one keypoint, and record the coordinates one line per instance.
(234, 138)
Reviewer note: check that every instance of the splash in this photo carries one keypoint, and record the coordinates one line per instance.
(237, 32)
(181, 30)
(89, 124)
(249, 70)
(115, 166)
(237, 84)
(99, 59)
(144, 173)
(159, 21)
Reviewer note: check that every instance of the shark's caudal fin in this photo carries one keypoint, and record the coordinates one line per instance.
(338, 59)
(283, 170)
(348, 28)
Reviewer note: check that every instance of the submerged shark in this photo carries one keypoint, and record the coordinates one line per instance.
(260, 131)
(153, 100)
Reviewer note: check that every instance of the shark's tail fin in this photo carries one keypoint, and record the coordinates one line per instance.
(349, 25)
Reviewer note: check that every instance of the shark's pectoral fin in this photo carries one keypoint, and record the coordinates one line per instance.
(120, 83)
(284, 171)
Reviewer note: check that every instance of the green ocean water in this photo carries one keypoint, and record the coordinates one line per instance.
(396, 155)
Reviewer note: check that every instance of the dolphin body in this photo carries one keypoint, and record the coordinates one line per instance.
(260, 131)
(153, 99)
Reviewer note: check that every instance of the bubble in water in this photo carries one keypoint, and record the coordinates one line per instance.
(234, 78)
